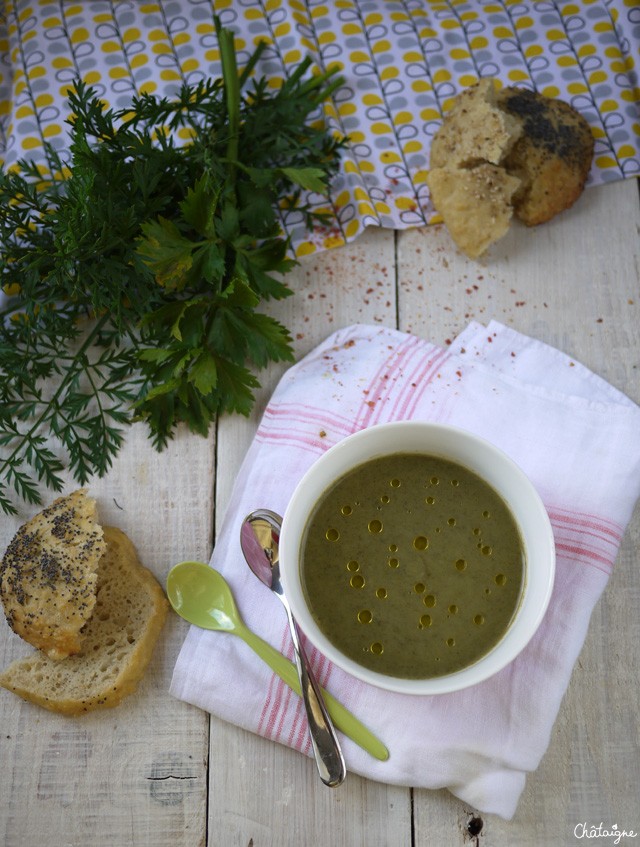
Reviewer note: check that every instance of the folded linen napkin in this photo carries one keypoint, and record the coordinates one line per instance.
(574, 435)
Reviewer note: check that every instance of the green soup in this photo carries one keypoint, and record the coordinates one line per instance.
(412, 565)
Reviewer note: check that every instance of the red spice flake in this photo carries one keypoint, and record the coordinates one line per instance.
(599, 320)
(520, 302)
(513, 354)
(371, 403)
(447, 341)
(322, 434)
(299, 336)
(489, 339)
(459, 374)
(463, 349)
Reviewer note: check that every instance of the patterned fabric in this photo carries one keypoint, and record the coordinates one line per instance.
(403, 61)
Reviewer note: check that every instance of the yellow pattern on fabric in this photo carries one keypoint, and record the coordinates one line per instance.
(403, 62)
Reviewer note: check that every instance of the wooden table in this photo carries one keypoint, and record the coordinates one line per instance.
(158, 772)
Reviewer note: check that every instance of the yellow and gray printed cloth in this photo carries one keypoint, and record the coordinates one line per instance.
(403, 61)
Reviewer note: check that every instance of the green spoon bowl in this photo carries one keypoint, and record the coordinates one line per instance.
(203, 597)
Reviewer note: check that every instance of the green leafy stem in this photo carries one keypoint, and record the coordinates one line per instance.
(136, 266)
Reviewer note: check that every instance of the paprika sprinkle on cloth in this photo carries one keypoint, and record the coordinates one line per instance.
(573, 434)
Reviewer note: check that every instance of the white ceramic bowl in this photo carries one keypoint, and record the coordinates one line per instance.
(476, 454)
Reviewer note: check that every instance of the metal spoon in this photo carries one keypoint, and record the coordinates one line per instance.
(259, 539)
(203, 597)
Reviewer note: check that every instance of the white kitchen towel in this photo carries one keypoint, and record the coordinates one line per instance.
(573, 434)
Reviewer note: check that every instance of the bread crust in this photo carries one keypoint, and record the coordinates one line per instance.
(551, 158)
(49, 573)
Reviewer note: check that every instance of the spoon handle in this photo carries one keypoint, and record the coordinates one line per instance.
(326, 747)
(344, 720)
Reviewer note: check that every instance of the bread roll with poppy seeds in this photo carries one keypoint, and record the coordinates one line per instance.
(542, 146)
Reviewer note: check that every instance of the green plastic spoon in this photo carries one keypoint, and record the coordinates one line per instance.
(202, 596)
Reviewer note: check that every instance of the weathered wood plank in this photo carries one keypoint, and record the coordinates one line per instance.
(573, 283)
(135, 774)
(261, 792)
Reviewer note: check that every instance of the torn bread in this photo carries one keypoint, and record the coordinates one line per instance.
(48, 575)
(130, 610)
(475, 130)
(475, 203)
(541, 142)
(552, 157)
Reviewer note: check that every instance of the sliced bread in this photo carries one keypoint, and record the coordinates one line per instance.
(48, 575)
(118, 642)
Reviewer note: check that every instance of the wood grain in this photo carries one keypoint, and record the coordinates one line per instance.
(158, 772)
(574, 285)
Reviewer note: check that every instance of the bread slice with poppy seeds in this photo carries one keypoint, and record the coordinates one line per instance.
(48, 575)
(117, 645)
